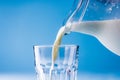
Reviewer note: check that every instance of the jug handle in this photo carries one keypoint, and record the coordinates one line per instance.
(78, 5)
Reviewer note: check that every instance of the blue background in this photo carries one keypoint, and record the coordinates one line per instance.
(24, 23)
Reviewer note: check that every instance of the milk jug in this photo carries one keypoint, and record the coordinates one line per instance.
(99, 18)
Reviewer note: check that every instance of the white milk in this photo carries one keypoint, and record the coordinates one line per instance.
(57, 42)
(107, 32)
(55, 49)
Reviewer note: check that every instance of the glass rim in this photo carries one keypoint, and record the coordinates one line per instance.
(69, 45)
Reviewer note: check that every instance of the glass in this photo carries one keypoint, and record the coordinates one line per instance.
(98, 18)
(65, 66)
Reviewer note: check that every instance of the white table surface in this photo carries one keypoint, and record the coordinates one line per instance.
(81, 76)
(11, 76)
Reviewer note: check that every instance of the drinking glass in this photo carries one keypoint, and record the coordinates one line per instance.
(65, 65)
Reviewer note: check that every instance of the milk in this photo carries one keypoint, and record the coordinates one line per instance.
(57, 42)
(107, 32)
(55, 49)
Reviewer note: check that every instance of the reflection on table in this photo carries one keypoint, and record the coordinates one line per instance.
(81, 76)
